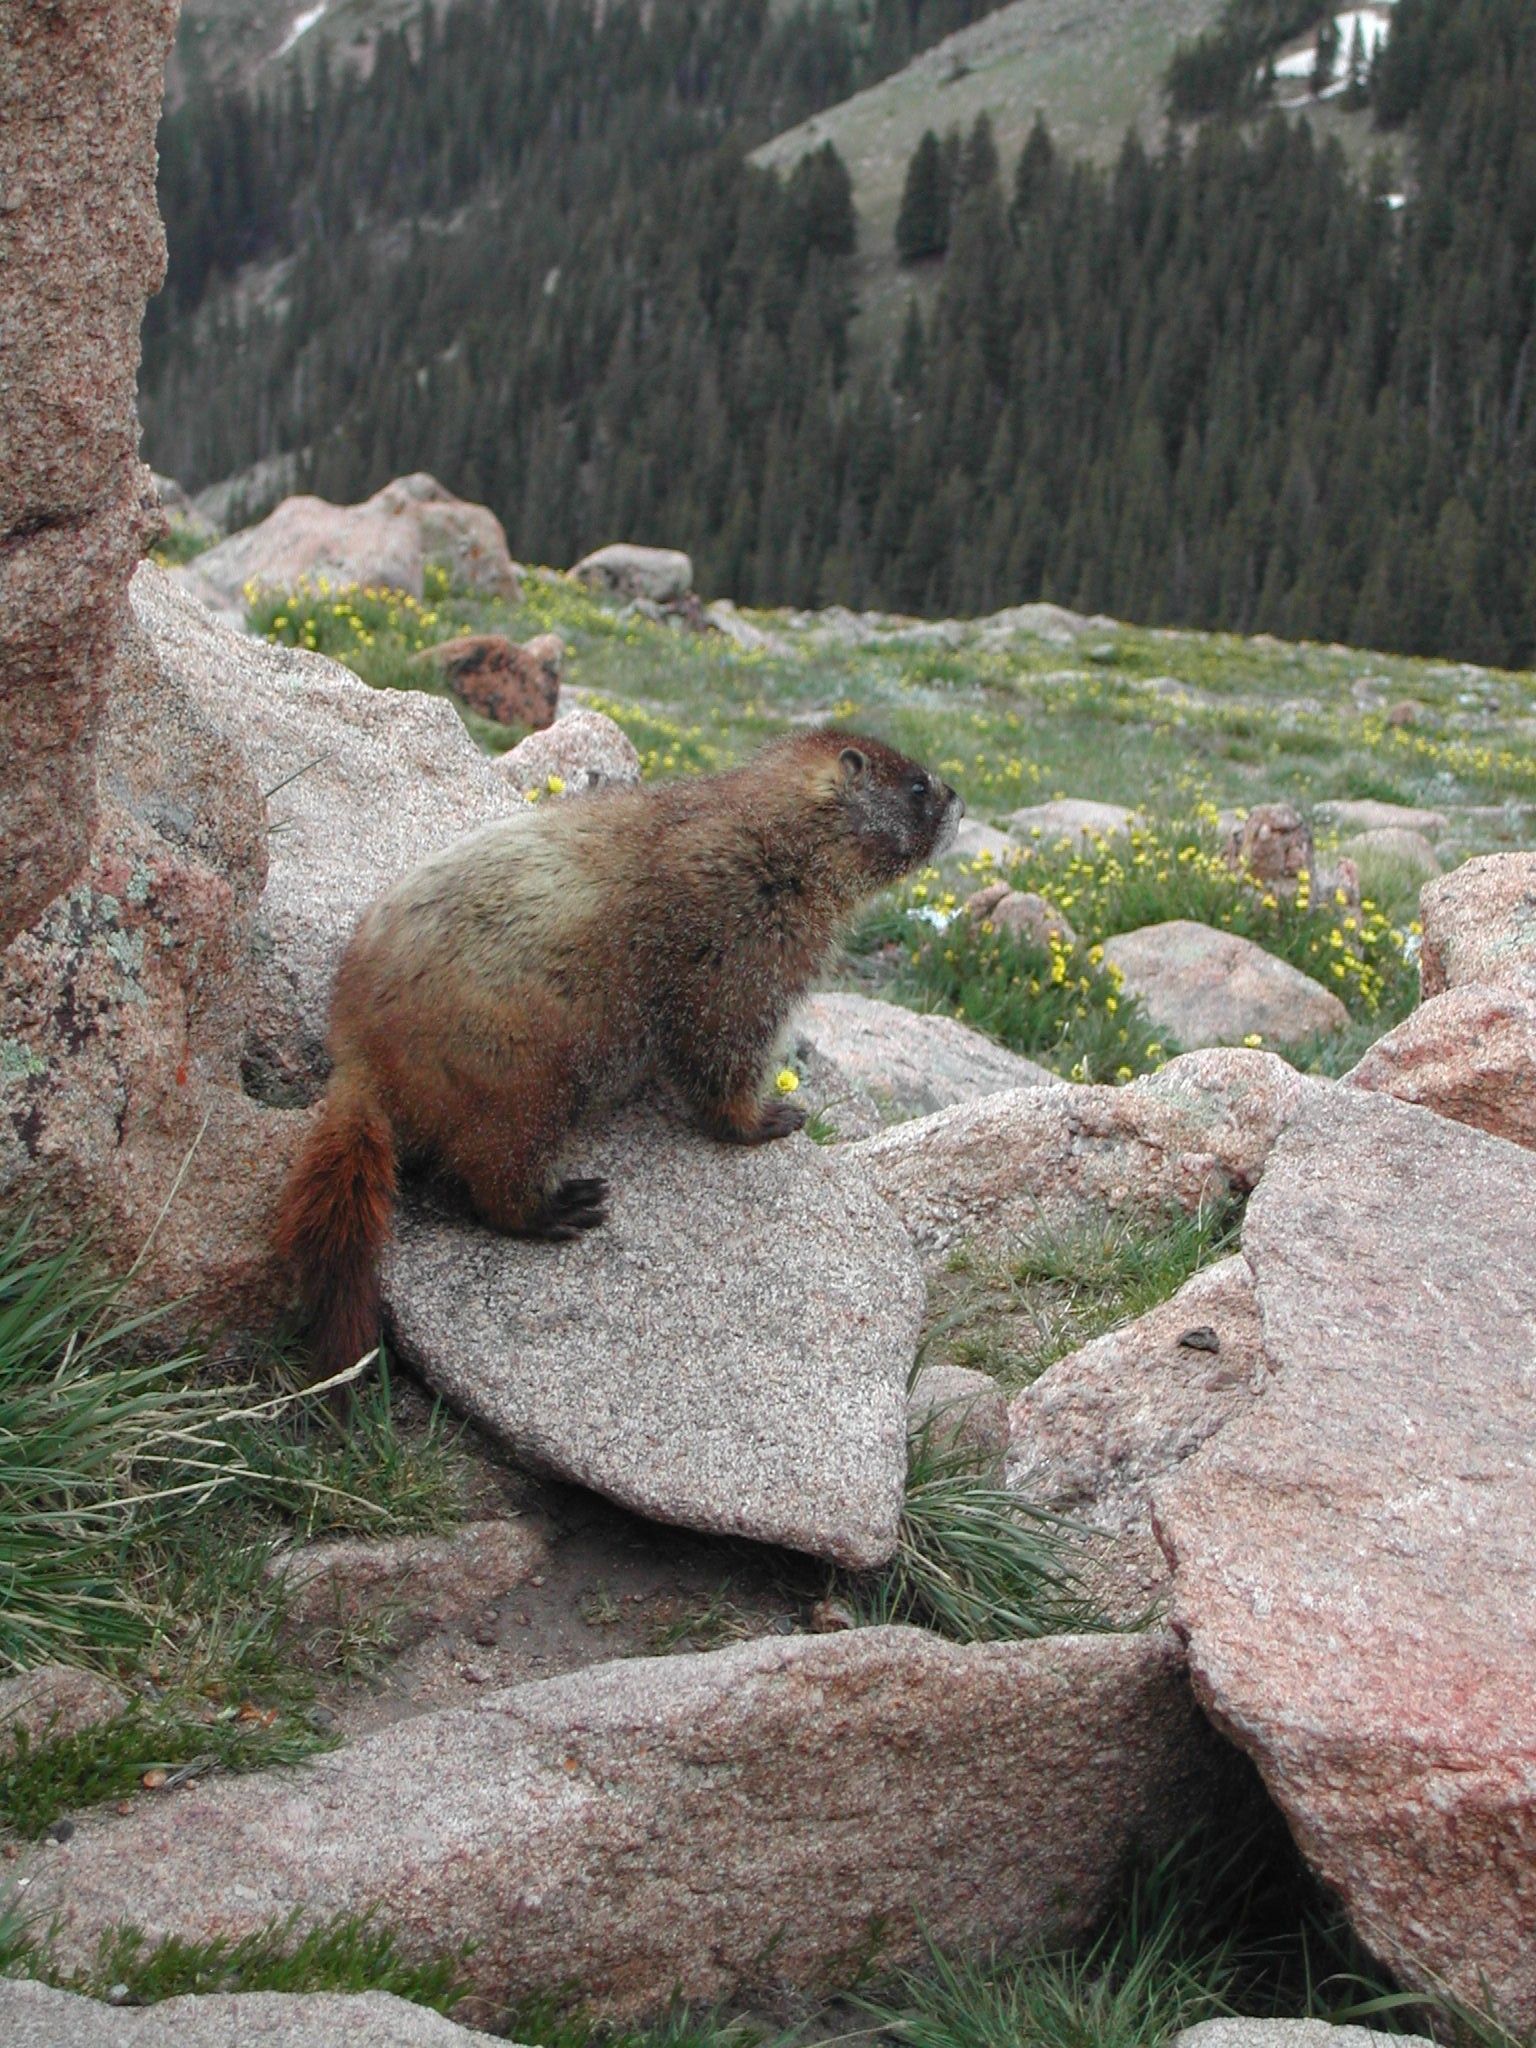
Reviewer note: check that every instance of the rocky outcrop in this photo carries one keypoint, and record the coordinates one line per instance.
(867, 1064)
(1469, 1054)
(123, 1008)
(359, 785)
(157, 1018)
(1469, 1051)
(37, 2016)
(1206, 987)
(1480, 926)
(1353, 1558)
(1093, 1435)
(658, 575)
(1272, 844)
(491, 674)
(389, 539)
(1072, 818)
(694, 1826)
(578, 753)
(1193, 1134)
(757, 1390)
(79, 98)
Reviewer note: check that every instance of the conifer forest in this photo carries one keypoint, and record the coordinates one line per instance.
(1228, 382)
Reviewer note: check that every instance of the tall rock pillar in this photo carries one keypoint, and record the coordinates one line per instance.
(81, 249)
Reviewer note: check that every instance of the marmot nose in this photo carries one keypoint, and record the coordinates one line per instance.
(955, 798)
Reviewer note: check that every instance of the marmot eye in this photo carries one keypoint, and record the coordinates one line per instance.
(920, 786)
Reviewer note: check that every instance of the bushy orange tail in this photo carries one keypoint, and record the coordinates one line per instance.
(333, 1219)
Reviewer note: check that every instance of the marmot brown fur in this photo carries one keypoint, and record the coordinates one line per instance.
(553, 961)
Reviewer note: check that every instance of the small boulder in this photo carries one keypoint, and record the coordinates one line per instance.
(729, 1351)
(977, 842)
(1072, 818)
(38, 2016)
(1469, 1054)
(1092, 1435)
(1291, 2034)
(1020, 913)
(54, 1700)
(1207, 987)
(868, 1064)
(389, 539)
(584, 751)
(1480, 925)
(1394, 844)
(1273, 844)
(1195, 1133)
(963, 1415)
(661, 575)
(1367, 814)
(491, 674)
(1052, 623)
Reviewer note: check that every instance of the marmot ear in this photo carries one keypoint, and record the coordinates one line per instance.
(852, 762)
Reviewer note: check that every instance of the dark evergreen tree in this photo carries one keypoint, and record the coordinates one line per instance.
(922, 225)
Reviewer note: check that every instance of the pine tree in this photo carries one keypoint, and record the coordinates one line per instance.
(1325, 60)
(820, 192)
(922, 225)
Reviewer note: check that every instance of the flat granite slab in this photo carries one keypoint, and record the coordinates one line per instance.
(728, 1352)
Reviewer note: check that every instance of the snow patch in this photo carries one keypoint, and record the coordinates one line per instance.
(1373, 24)
(301, 26)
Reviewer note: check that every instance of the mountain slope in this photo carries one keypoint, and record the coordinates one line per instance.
(247, 42)
(1094, 67)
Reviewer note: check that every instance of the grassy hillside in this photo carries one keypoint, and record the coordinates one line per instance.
(1181, 726)
(1093, 67)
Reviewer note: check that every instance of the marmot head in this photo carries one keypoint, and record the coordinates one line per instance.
(897, 815)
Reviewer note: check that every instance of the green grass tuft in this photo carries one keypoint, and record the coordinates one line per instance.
(42, 1782)
(347, 1953)
(562, 2020)
(110, 1461)
(974, 1562)
(182, 544)
(1014, 1313)
(1213, 1927)
(99, 1445)
(1053, 1003)
(360, 1477)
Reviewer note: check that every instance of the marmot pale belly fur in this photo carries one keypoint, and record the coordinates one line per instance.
(552, 962)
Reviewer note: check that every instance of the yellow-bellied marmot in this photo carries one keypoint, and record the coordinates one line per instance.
(552, 961)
